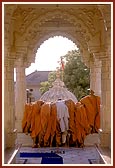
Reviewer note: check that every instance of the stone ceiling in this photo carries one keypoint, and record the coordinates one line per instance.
(27, 26)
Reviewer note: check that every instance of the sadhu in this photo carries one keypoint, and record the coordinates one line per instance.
(72, 130)
(36, 122)
(48, 122)
(87, 117)
(42, 121)
(31, 122)
(92, 104)
(26, 121)
(81, 124)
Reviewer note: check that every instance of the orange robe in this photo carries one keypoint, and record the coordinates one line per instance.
(71, 108)
(53, 120)
(92, 103)
(82, 125)
(44, 117)
(58, 133)
(35, 119)
(51, 127)
(26, 121)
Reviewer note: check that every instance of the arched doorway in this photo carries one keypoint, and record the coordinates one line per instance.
(26, 26)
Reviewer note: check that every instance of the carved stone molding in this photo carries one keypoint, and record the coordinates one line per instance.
(103, 55)
(9, 62)
(87, 13)
(8, 11)
(38, 21)
(33, 24)
(85, 54)
(106, 15)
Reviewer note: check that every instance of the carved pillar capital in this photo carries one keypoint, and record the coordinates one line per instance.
(24, 57)
(9, 62)
(31, 54)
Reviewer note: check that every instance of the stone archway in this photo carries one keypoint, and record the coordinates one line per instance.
(27, 26)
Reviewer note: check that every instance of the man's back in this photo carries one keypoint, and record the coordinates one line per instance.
(62, 110)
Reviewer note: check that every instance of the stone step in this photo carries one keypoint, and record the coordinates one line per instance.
(92, 139)
(24, 139)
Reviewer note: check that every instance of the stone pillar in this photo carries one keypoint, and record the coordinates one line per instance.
(95, 76)
(9, 111)
(20, 94)
(105, 135)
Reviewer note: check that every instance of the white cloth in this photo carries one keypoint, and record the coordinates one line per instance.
(64, 135)
(62, 115)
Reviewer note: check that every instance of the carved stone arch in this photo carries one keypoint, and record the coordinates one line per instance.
(76, 19)
(52, 34)
(46, 35)
(83, 35)
(36, 24)
(34, 33)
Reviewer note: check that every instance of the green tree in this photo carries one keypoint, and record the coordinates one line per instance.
(44, 86)
(76, 74)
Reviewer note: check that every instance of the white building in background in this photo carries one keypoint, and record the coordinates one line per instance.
(33, 81)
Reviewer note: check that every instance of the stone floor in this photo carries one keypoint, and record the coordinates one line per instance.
(71, 155)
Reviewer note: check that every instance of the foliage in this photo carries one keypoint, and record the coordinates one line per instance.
(47, 84)
(44, 87)
(51, 77)
(76, 74)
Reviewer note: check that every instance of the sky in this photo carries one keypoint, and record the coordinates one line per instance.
(49, 53)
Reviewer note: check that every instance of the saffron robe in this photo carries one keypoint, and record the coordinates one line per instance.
(44, 117)
(26, 121)
(51, 127)
(92, 105)
(82, 125)
(71, 108)
(35, 119)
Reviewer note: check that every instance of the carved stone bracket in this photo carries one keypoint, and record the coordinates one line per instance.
(86, 56)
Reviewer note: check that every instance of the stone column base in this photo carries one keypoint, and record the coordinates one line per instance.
(10, 139)
(92, 139)
(18, 125)
(105, 138)
(24, 140)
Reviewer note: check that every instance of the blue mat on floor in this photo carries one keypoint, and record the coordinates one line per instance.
(52, 160)
(31, 154)
(47, 158)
